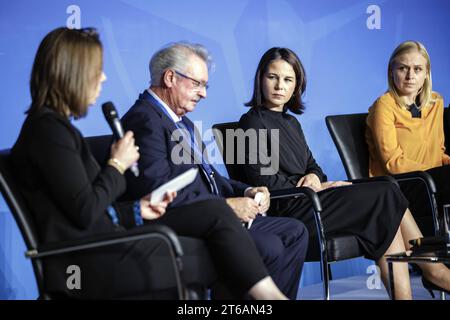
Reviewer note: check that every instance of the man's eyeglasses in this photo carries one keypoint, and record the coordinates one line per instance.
(198, 85)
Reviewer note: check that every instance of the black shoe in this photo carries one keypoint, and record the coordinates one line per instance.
(431, 286)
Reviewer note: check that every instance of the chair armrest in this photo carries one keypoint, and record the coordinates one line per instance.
(373, 179)
(107, 239)
(298, 191)
(418, 175)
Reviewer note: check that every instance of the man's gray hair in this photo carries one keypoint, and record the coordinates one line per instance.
(176, 56)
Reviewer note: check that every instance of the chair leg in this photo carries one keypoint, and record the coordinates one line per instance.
(197, 293)
(323, 256)
(325, 278)
(192, 295)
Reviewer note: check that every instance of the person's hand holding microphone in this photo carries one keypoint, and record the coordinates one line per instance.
(124, 155)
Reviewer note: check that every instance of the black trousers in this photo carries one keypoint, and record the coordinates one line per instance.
(281, 243)
(232, 250)
(141, 269)
(215, 246)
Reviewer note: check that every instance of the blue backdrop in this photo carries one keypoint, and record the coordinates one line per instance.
(344, 46)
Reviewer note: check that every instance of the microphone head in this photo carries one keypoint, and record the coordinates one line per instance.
(112, 117)
(109, 111)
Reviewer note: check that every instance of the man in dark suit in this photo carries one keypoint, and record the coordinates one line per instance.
(179, 77)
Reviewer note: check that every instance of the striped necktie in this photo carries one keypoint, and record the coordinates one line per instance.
(207, 170)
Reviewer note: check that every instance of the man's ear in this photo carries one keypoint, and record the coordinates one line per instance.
(168, 78)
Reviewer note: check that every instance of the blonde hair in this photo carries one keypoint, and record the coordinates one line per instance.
(425, 93)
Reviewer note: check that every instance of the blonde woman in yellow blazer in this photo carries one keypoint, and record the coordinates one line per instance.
(405, 132)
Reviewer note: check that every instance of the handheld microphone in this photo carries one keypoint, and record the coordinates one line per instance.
(112, 117)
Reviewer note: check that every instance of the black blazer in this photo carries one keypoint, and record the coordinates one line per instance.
(66, 189)
(68, 194)
(153, 131)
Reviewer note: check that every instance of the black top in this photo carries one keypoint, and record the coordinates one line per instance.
(295, 157)
(371, 212)
(415, 112)
(64, 187)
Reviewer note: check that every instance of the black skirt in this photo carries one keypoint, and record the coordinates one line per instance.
(370, 211)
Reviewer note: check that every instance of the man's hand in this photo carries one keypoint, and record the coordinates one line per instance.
(265, 203)
(246, 209)
(310, 180)
(332, 184)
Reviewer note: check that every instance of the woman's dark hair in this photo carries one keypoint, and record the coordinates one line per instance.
(295, 104)
(66, 68)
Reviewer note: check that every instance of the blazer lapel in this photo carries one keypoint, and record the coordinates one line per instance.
(171, 127)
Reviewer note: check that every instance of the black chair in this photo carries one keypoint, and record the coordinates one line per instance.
(162, 235)
(100, 147)
(447, 129)
(331, 248)
(348, 134)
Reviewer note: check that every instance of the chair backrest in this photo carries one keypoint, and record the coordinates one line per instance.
(100, 147)
(235, 170)
(447, 129)
(21, 213)
(348, 133)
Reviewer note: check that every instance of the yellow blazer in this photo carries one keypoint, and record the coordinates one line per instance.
(400, 143)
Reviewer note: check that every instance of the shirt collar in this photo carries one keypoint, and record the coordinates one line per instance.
(172, 114)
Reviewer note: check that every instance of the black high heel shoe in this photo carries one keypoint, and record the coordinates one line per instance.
(431, 286)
